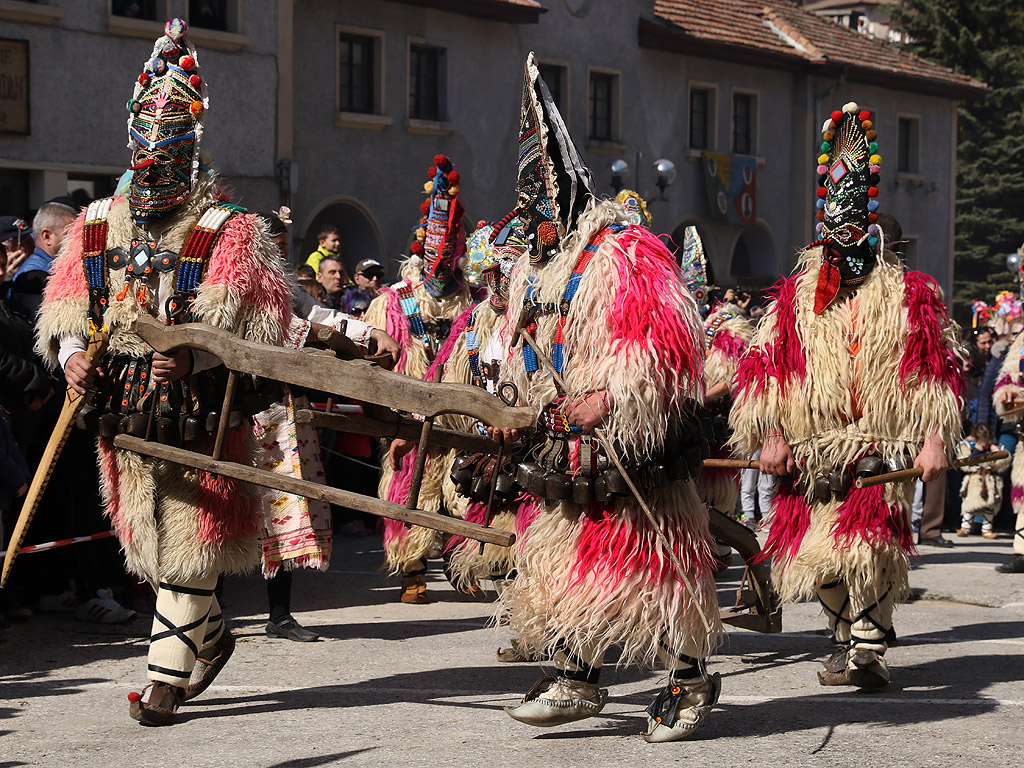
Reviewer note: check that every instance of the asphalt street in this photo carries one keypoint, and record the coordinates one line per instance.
(405, 685)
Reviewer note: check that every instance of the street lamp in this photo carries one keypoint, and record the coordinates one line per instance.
(1013, 262)
(666, 171)
(620, 172)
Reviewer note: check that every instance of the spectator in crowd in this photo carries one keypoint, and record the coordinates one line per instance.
(974, 372)
(306, 277)
(14, 479)
(334, 280)
(328, 244)
(16, 238)
(48, 228)
(356, 299)
(982, 487)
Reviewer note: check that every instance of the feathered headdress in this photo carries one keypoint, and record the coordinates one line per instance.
(848, 169)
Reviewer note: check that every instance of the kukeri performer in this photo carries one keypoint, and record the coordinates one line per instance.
(1009, 395)
(175, 249)
(418, 312)
(608, 309)
(854, 371)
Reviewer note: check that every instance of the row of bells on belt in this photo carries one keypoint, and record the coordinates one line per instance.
(838, 482)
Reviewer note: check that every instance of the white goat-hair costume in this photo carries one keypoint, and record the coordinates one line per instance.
(405, 551)
(721, 487)
(629, 593)
(157, 507)
(1011, 382)
(818, 418)
(982, 486)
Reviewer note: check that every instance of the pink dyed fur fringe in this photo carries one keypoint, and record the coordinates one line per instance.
(783, 358)
(926, 358)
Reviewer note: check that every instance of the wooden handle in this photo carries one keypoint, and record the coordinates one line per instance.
(73, 402)
(730, 464)
(907, 474)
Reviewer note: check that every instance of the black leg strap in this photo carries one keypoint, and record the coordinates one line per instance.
(866, 614)
(837, 615)
(179, 632)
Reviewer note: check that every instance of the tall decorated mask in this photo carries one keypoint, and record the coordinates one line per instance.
(848, 174)
(165, 123)
(554, 185)
(508, 244)
(635, 208)
(440, 237)
(694, 264)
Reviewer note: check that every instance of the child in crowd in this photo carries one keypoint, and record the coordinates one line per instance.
(981, 490)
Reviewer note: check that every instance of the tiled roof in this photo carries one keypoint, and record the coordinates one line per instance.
(779, 29)
(515, 11)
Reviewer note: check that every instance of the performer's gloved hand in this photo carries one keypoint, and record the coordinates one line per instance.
(397, 450)
(776, 456)
(932, 459)
(171, 368)
(80, 373)
(589, 411)
(386, 345)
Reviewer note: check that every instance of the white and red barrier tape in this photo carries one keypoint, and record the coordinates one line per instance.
(61, 543)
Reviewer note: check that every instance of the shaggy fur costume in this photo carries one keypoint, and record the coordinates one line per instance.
(404, 546)
(177, 524)
(1011, 383)
(720, 487)
(591, 577)
(800, 377)
(982, 486)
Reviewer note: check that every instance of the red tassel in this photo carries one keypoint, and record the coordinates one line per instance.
(828, 287)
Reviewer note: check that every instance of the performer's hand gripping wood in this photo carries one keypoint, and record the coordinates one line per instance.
(81, 374)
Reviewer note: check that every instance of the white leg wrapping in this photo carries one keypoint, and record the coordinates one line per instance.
(179, 629)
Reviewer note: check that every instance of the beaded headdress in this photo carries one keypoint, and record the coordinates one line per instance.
(693, 263)
(554, 184)
(635, 207)
(440, 237)
(509, 242)
(479, 253)
(165, 123)
(848, 169)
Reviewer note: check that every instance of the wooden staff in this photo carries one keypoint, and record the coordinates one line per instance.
(907, 474)
(65, 422)
(421, 452)
(730, 464)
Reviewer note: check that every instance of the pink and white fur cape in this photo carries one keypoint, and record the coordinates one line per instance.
(721, 487)
(405, 546)
(176, 524)
(1011, 384)
(598, 575)
(981, 490)
(799, 378)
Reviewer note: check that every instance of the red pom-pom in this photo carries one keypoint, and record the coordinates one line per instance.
(425, 207)
(865, 115)
(837, 116)
(416, 248)
(548, 233)
(195, 81)
(821, 215)
(143, 79)
(481, 223)
(134, 697)
(196, 107)
(822, 192)
(432, 171)
(453, 178)
(872, 191)
(186, 62)
(441, 161)
(872, 217)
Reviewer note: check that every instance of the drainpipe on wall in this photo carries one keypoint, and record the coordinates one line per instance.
(285, 100)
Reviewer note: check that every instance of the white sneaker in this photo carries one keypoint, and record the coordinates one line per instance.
(65, 602)
(104, 609)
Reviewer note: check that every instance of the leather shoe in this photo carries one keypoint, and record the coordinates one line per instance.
(935, 541)
(290, 629)
(1013, 565)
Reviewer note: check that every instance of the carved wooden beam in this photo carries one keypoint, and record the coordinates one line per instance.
(288, 484)
(399, 427)
(321, 370)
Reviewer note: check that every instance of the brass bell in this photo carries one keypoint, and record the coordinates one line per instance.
(822, 489)
(504, 487)
(190, 428)
(538, 483)
(869, 466)
(167, 431)
(137, 423)
(617, 485)
(582, 490)
(558, 486)
(839, 482)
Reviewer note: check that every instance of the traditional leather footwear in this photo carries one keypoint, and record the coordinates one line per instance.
(414, 590)
(963, 532)
(515, 653)
(559, 700)
(157, 704)
(209, 664)
(989, 535)
(1014, 565)
(837, 661)
(290, 629)
(867, 669)
(681, 708)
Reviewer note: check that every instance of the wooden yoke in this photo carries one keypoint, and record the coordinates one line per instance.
(322, 371)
